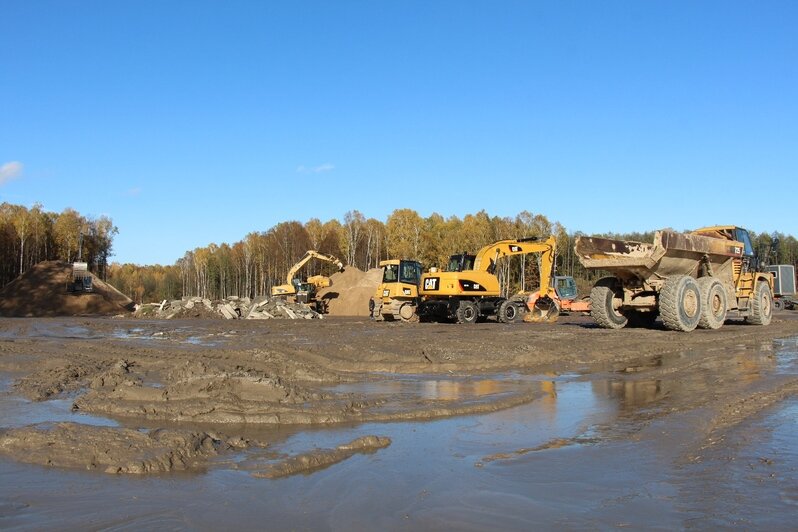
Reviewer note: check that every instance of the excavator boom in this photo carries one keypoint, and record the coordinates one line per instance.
(310, 254)
(318, 281)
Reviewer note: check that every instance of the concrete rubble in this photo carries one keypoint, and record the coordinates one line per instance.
(232, 308)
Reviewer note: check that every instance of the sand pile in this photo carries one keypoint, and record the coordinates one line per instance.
(41, 291)
(350, 291)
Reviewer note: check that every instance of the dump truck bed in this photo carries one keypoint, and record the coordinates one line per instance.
(670, 254)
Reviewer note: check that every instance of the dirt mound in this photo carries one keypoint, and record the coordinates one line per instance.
(350, 291)
(41, 291)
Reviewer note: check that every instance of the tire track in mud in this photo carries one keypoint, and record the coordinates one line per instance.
(275, 374)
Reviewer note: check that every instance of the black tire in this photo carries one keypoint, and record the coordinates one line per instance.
(778, 304)
(761, 305)
(680, 303)
(602, 308)
(713, 303)
(508, 312)
(467, 312)
(641, 319)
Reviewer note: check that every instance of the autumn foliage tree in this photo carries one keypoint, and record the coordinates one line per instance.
(32, 235)
(262, 259)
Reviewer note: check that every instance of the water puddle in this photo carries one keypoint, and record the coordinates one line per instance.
(750, 482)
(182, 335)
(17, 411)
(563, 460)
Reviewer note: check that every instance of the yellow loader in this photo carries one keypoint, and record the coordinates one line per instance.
(397, 296)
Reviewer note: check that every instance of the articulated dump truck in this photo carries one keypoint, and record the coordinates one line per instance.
(689, 280)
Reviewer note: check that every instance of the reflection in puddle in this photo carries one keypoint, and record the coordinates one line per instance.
(434, 388)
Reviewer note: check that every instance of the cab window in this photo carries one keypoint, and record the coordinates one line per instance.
(409, 273)
(741, 235)
(459, 263)
(390, 274)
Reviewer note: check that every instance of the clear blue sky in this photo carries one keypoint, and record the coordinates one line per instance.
(190, 122)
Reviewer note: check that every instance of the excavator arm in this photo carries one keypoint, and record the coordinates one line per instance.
(310, 254)
(487, 256)
(545, 307)
(289, 288)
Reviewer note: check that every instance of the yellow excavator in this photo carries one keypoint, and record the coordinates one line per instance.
(397, 296)
(468, 290)
(305, 292)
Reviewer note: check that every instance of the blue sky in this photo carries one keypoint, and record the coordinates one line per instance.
(190, 122)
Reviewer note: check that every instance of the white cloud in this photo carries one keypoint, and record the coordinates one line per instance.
(133, 192)
(326, 167)
(10, 171)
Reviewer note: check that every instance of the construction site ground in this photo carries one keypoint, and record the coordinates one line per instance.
(345, 424)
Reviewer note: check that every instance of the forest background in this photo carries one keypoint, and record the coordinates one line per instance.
(251, 266)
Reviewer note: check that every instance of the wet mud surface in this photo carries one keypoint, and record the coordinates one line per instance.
(344, 423)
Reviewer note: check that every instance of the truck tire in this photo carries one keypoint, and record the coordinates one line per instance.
(467, 312)
(761, 305)
(778, 304)
(680, 303)
(601, 304)
(508, 312)
(713, 303)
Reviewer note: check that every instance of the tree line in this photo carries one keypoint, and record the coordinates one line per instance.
(261, 260)
(31, 235)
(251, 266)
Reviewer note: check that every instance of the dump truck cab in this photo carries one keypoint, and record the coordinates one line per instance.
(396, 297)
(734, 234)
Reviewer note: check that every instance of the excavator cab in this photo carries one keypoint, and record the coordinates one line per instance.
(461, 262)
(565, 287)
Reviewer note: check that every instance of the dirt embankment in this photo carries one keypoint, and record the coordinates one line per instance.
(42, 291)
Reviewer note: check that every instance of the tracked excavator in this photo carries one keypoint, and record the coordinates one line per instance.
(468, 290)
(305, 292)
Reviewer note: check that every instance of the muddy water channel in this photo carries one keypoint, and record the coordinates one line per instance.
(686, 439)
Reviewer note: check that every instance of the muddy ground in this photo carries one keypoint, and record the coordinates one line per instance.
(134, 397)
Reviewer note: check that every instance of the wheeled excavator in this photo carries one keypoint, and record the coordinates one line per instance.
(468, 290)
(305, 292)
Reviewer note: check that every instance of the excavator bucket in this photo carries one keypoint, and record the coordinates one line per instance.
(542, 310)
